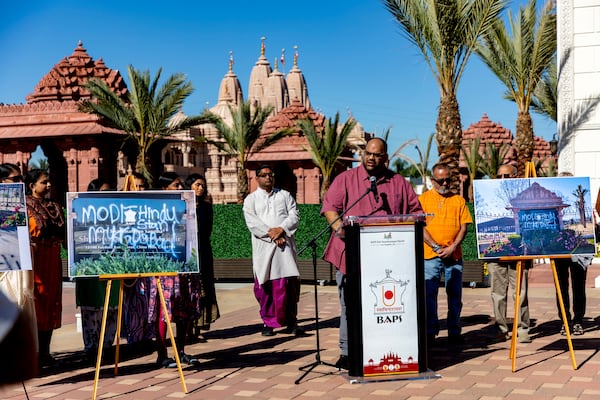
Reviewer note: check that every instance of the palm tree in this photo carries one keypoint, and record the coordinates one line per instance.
(493, 158)
(422, 166)
(580, 193)
(519, 59)
(545, 102)
(545, 94)
(544, 168)
(146, 112)
(326, 145)
(405, 168)
(41, 163)
(473, 162)
(242, 138)
(446, 32)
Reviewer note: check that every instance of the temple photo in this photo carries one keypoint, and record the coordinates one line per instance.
(14, 235)
(533, 217)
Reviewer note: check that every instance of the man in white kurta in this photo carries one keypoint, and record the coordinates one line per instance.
(272, 218)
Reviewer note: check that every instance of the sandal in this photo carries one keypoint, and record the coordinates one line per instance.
(577, 329)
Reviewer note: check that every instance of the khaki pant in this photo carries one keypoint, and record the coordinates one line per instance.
(503, 280)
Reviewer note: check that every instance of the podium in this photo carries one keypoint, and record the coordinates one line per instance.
(385, 296)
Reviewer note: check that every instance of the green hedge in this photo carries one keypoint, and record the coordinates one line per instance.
(231, 238)
(469, 245)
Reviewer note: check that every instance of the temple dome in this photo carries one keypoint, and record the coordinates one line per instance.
(276, 94)
(66, 80)
(230, 90)
(258, 78)
(489, 132)
(296, 84)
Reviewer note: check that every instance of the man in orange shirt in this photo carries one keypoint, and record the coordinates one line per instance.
(447, 220)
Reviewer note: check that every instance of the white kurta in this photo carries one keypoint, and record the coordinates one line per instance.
(263, 211)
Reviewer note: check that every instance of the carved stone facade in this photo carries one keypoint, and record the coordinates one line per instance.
(494, 133)
(80, 147)
(579, 89)
(295, 171)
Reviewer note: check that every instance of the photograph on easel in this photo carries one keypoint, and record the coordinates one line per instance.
(533, 217)
(15, 252)
(121, 233)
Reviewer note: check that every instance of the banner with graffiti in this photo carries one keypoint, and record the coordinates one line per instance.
(121, 233)
(534, 217)
(15, 253)
(389, 300)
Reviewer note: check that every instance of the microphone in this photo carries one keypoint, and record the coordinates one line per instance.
(374, 188)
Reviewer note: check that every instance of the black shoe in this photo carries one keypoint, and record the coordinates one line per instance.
(430, 340)
(187, 359)
(456, 340)
(46, 360)
(499, 337)
(201, 339)
(342, 362)
(295, 330)
(166, 362)
(266, 331)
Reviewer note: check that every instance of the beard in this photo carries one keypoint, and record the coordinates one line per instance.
(443, 190)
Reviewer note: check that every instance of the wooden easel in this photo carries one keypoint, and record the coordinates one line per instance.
(128, 186)
(530, 172)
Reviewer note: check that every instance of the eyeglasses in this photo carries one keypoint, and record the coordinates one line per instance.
(443, 181)
(375, 155)
(504, 176)
(16, 178)
(270, 175)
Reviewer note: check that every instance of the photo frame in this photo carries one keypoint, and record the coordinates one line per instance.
(533, 217)
(131, 233)
(15, 251)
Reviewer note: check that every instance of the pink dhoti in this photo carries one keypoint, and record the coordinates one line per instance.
(278, 300)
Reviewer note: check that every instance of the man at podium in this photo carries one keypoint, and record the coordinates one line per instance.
(388, 193)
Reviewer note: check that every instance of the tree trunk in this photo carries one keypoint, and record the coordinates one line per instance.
(449, 137)
(524, 141)
(242, 180)
(324, 187)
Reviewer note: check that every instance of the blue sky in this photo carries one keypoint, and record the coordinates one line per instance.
(351, 53)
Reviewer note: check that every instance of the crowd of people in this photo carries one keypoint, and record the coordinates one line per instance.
(272, 218)
(190, 298)
(447, 218)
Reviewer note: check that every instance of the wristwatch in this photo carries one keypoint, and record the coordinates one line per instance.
(436, 247)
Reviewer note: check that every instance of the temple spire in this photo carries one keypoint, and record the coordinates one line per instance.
(295, 56)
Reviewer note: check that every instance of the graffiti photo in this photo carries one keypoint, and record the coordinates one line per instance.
(533, 217)
(115, 233)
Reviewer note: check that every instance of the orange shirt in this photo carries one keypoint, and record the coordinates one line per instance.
(449, 213)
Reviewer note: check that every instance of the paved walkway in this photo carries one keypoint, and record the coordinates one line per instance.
(237, 362)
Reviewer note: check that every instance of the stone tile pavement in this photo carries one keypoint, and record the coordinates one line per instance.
(237, 362)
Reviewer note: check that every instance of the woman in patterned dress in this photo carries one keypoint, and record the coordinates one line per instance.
(47, 233)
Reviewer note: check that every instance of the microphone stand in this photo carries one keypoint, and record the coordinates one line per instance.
(313, 245)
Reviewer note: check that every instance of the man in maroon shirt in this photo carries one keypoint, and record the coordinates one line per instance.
(395, 196)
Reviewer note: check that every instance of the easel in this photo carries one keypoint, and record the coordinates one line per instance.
(128, 186)
(530, 172)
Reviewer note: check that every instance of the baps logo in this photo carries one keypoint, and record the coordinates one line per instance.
(389, 303)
